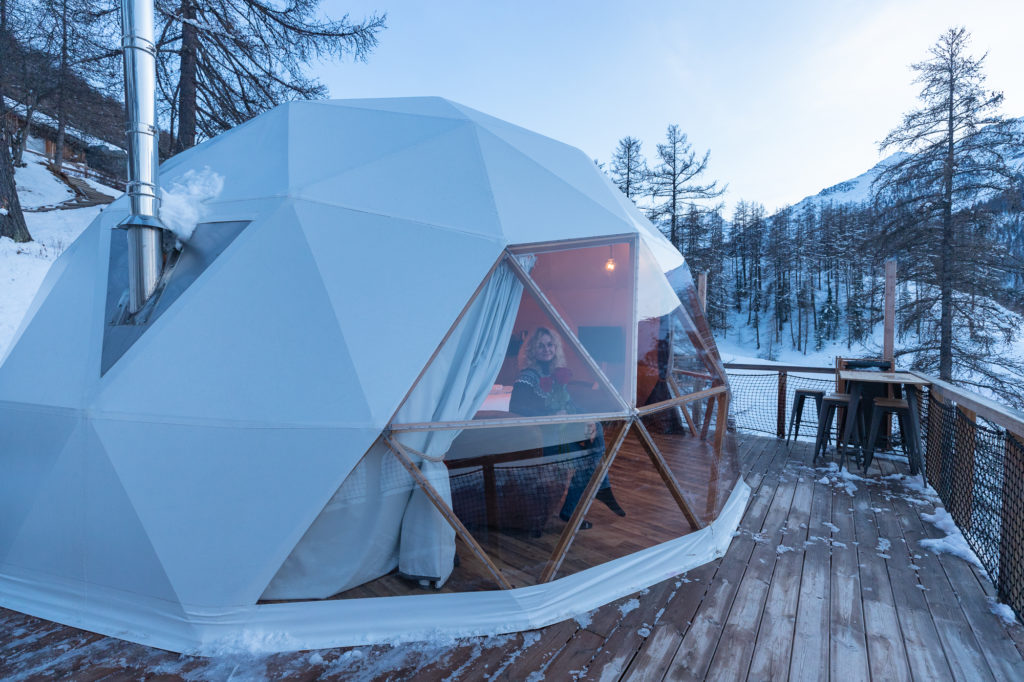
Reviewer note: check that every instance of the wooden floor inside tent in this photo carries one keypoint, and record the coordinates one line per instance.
(652, 516)
(827, 579)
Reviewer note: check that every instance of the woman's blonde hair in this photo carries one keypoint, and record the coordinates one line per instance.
(528, 351)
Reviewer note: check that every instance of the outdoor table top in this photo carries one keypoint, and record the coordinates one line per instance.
(882, 377)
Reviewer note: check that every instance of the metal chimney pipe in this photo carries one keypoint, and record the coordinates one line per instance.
(145, 260)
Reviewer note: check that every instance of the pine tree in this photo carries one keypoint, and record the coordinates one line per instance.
(629, 168)
(673, 184)
(927, 199)
(828, 320)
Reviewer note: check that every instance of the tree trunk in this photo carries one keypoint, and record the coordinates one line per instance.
(12, 221)
(946, 253)
(186, 137)
(21, 140)
(58, 147)
(62, 84)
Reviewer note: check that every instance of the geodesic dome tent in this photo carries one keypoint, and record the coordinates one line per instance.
(307, 439)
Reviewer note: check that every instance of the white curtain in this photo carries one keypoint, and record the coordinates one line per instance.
(453, 389)
(379, 519)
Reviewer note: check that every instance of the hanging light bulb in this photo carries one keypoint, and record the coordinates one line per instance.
(609, 265)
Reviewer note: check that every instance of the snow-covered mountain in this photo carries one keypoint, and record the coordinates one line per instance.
(858, 190)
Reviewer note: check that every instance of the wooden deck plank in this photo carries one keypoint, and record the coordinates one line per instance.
(652, 661)
(701, 640)
(887, 655)
(809, 660)
(924, 647)
(636, 618)
(774, 647)
(848, 653)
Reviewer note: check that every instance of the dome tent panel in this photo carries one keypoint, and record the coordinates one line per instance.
(442, 183)
(49, 361)
(327, 139)
(355, 537)
(252, 160)
(82, 527)
(569, 164)
(280, 356)
(384, 279)
(25, 428)
(535, 205)
(223, 507)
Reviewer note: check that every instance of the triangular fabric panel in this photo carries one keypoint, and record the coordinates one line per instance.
(557, 157)
(428, 274)
(352, 138)
(82, 526)
(259, 146)
(33, 439)
(48, 365)
(224, 506)
(442, 178)
(207, 242)
(279, 356)
(536, 205)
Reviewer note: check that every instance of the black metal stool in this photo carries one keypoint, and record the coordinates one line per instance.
(796, 414)
(829, 405)
(902, 411)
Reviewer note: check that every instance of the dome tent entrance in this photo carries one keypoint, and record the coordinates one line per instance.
(284, 432)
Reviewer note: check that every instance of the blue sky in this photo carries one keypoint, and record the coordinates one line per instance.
(790, 97)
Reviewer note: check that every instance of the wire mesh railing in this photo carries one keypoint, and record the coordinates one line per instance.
(759, 403)
(977, 469)
(973, 458)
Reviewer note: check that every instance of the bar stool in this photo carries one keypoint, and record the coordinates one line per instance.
(796, 413)
(902, 411)
(829, 405)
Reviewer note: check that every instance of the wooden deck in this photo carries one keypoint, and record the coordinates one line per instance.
(826, 579)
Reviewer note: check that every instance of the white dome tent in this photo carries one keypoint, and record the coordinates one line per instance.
(306, 440)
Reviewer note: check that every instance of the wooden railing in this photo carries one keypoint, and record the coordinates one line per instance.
(974, 458)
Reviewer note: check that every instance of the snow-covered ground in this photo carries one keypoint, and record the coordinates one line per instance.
(37, 186)
(23, 266)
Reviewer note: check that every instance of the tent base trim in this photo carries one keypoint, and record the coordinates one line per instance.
(295, 626)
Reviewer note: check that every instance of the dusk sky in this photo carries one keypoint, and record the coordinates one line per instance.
(790, 97)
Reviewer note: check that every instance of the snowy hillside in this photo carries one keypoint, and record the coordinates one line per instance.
(23, 266)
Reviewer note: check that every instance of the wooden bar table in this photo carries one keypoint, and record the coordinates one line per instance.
(856, 379)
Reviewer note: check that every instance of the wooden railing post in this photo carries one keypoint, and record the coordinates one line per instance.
(889, 324)
(780, 417)
(1011, 536)
(702, 291)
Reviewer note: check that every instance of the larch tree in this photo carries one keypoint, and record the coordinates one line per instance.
(929, 200)
(629, 168)
(223, 62)
(674, 183)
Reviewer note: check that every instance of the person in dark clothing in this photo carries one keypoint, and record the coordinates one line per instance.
(541, 389)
